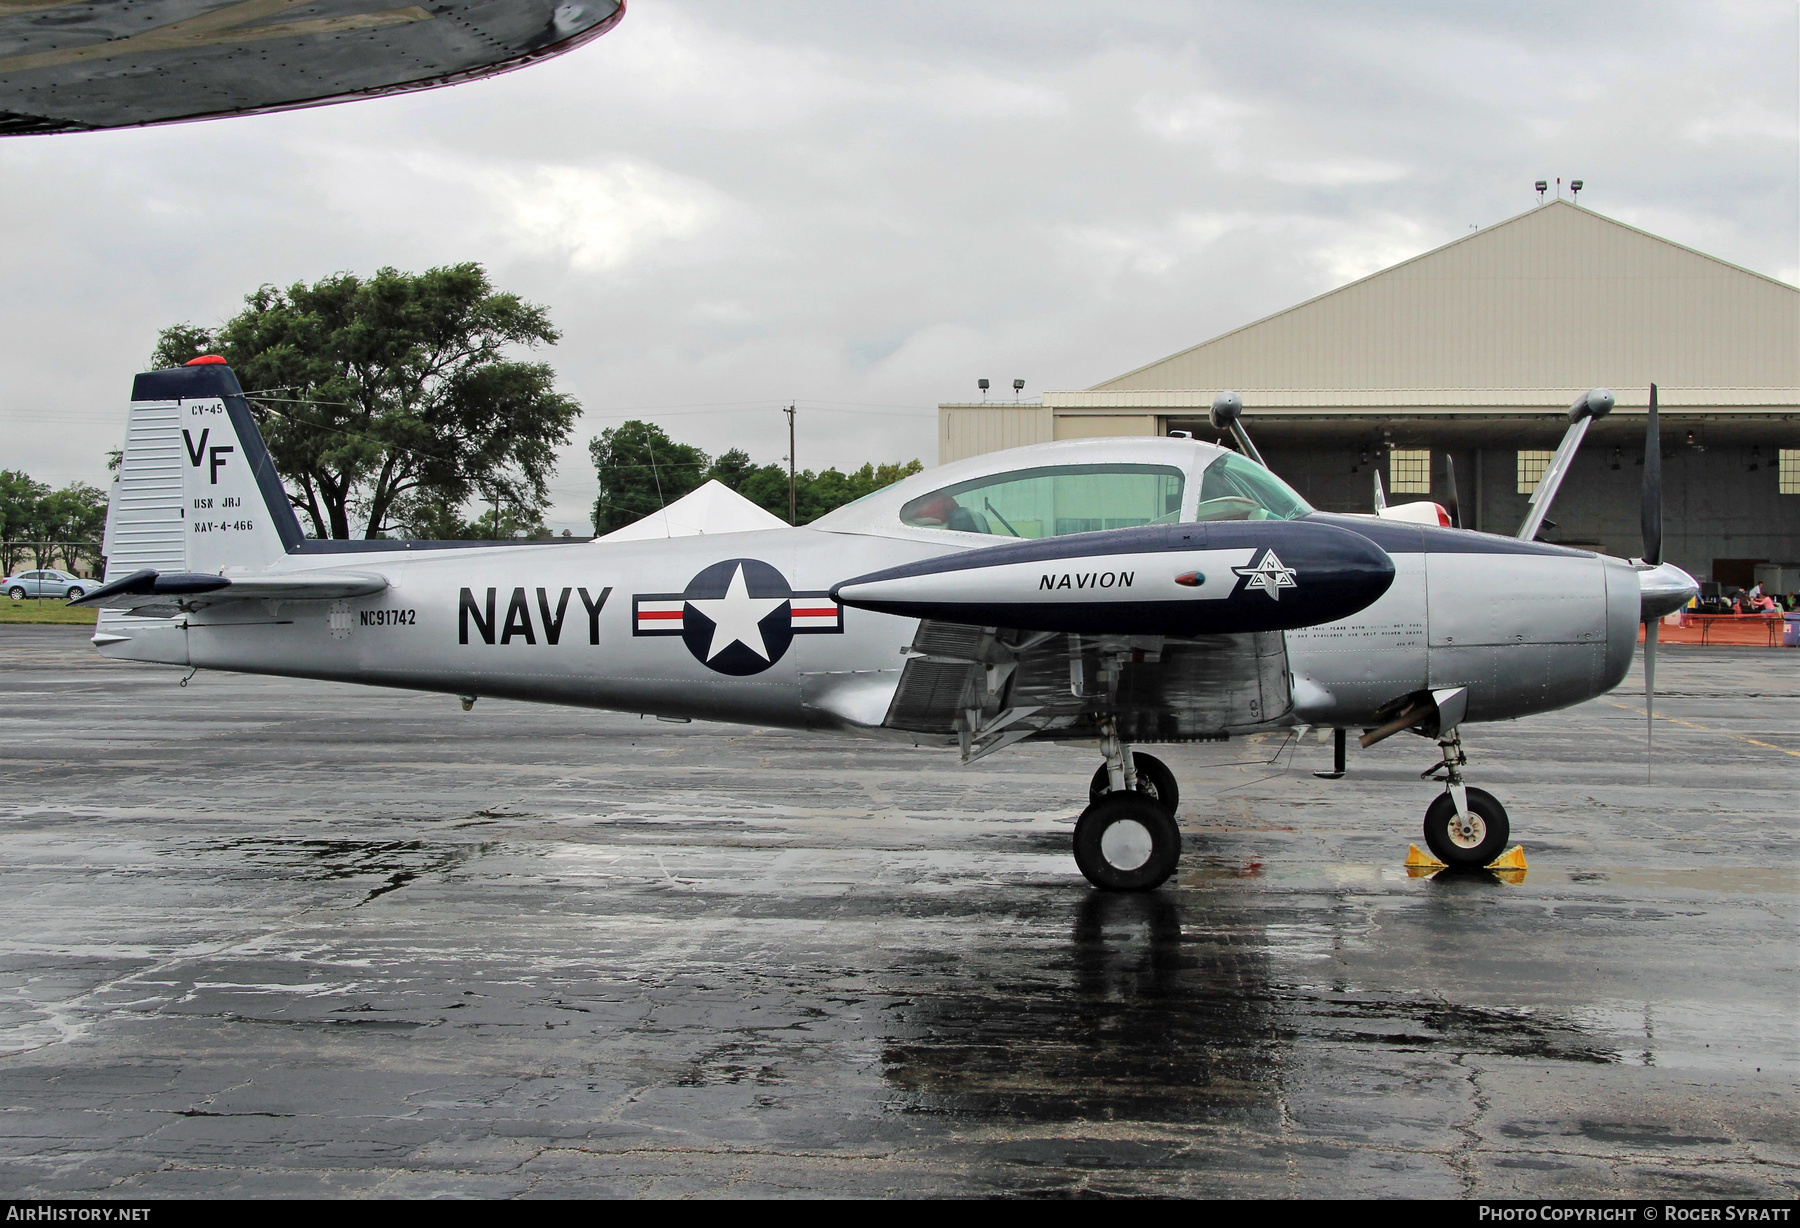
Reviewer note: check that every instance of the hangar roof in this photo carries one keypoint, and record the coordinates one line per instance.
(1559, 297)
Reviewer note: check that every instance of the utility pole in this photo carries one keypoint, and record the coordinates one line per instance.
(789, 411)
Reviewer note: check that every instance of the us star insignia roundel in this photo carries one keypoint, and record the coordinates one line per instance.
(737, 617)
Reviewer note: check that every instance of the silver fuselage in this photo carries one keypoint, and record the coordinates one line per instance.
(207, 567)
(1524, 633)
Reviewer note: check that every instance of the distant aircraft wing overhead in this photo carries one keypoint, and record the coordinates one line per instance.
(67, 66)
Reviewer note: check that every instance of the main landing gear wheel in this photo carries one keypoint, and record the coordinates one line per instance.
(1127, 842)
(1471, 845)
(1154, 781)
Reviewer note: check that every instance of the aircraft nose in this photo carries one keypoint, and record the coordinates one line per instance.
(1663, 590)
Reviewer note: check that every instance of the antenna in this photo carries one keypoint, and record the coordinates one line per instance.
(661, 503)
(1559, 187)
(1542, 187)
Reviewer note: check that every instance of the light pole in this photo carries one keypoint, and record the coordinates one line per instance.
(789, 411)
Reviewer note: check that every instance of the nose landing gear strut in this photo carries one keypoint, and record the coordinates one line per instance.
(1127, 839)
(1465, 827)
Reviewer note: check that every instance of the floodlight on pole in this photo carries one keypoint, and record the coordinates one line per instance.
(983, 385)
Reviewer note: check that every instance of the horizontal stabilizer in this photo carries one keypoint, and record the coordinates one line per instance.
(191, 590)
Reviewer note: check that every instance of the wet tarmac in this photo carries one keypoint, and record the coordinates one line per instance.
(265, 937)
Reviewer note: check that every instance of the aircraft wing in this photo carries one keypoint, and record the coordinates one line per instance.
(986, 688)
(77, 67)
(183, 590)
(1172, 631)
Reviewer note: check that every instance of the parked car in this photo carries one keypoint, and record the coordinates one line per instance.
(45, 584)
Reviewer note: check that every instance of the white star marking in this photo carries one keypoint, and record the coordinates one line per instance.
(735, 617)
(1269, 575)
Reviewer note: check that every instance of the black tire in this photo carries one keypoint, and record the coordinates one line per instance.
(16, 592)
(1154, 780)
(74, 593)
(1490, 837)
(1122, 862)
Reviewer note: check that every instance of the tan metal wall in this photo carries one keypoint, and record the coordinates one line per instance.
(1557, 297)
(971, 430)
(1096, 426)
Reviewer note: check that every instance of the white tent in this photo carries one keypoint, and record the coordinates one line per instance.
(713, 508)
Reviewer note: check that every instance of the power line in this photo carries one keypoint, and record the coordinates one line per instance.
(830, 407)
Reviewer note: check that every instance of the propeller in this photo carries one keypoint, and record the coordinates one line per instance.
(1650, 520)
(1652, 510)
(1450, 502)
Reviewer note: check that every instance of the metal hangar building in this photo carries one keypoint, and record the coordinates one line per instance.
(1476, 349)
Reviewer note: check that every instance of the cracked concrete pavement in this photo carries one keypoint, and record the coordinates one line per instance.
(268, 937)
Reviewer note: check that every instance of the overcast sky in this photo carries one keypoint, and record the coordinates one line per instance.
(866, 207)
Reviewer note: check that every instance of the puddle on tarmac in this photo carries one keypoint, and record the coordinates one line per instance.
(396, 862)
(1156, 1010)
(1146, 1010)
(1776, 880)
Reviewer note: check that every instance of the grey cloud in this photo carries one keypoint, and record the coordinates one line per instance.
(868, 207)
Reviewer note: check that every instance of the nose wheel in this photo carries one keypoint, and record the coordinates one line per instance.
(1465, 827)
(1471, 839)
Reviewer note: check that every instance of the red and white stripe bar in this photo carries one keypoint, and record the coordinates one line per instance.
(660, 615)
(816, 614)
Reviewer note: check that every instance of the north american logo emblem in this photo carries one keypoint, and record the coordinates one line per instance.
(737, 617)
(1269, 574)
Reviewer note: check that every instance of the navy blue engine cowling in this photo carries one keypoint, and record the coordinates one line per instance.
(1177, 580)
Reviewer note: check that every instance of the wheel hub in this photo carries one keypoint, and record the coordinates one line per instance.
(1467, 832)
(1126, 845)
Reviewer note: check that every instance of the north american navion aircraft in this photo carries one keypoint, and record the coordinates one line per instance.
(1109, 592)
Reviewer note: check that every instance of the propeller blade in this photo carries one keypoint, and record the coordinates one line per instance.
(1652, 506)
(1650, 695)
(1450, 502)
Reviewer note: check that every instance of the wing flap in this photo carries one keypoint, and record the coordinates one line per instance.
(988, 687)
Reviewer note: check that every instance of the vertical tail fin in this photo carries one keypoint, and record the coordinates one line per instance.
(197, 490)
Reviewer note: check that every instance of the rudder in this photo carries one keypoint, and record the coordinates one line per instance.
(197, 490)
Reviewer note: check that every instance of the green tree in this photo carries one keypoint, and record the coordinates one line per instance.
(507, 524)
(732, 467)
(641, 471)
(634, 458)
(72, 521)
(814, 493)
(20, 496)
(767, 487)
(388, 402)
